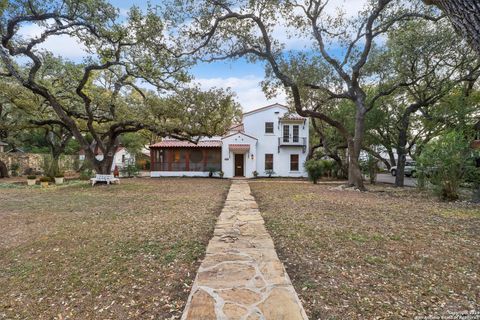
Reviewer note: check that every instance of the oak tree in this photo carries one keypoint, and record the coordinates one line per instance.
(465, 17)
(129, 77)
(232, 29)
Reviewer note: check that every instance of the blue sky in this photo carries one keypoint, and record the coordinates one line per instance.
(242, 77)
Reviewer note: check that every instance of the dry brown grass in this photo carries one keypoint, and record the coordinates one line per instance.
(122, 252)
(385, 254)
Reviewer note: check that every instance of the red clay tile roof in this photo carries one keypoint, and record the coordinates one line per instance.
(184, 144)
(239, 147)
(292, 117)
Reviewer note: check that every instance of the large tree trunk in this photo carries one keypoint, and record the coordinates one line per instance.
(391, 155)
(401, 155)
(57, 143)
(355, 178)
(465, 17)
(354, 148)
(103, 166)
(402, 142)
(3, 170)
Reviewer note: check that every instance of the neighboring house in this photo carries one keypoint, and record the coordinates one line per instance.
(268, 139)
(121, 159)
(384, 154)
(2, 146)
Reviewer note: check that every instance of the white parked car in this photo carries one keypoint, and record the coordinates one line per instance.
(410, 169)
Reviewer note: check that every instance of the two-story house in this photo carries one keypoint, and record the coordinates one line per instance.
(269, 141)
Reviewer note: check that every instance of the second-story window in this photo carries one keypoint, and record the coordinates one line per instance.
(296, 130)
(268, 127)
(286, 133)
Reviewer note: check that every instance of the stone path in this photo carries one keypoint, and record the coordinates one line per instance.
(241, 276)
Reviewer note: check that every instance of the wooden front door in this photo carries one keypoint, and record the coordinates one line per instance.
(239, 165)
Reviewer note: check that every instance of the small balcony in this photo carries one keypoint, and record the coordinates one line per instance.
(292, 141)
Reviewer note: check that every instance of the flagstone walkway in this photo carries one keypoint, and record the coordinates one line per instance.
(241, 276)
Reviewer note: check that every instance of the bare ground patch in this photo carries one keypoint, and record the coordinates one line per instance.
(385, 254)
(119, 252)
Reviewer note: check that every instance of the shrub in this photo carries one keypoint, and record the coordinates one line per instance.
(329, 167)
(86, 174)
(446, 163)
(315, 169)
(130, 170)
(269, 173)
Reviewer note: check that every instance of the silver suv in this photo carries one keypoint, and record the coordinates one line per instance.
(410, 169)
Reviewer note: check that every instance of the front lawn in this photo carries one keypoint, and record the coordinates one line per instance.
(128, 251)
(385, 254)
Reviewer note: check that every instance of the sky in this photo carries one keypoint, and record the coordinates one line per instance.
(242, 77)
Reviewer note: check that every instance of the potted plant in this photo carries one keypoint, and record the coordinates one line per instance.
(44, 181)
(255, 173)
(211, 171)
(221, 174)
(31, 180)
(59, 178)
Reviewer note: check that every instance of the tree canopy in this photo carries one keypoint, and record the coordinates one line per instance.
(131, 78)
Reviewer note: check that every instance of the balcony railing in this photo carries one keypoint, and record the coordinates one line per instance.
(292, 141)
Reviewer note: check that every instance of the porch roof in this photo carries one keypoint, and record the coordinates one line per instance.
(239, 147)
(292, 117)
(187, 144)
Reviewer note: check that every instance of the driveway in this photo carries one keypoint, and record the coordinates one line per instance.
(388, 178)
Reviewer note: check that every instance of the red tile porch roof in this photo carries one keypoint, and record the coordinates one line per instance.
(239, 147)
(292, 117)
(187, 144)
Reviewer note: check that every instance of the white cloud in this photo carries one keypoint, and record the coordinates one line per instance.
(62, 45)
(247, 88)
(350, 7)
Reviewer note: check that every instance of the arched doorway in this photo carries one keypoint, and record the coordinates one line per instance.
(3, 170)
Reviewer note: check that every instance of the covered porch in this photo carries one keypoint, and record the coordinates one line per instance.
(182, 158)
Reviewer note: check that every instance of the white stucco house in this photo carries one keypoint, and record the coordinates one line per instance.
(269, 139)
